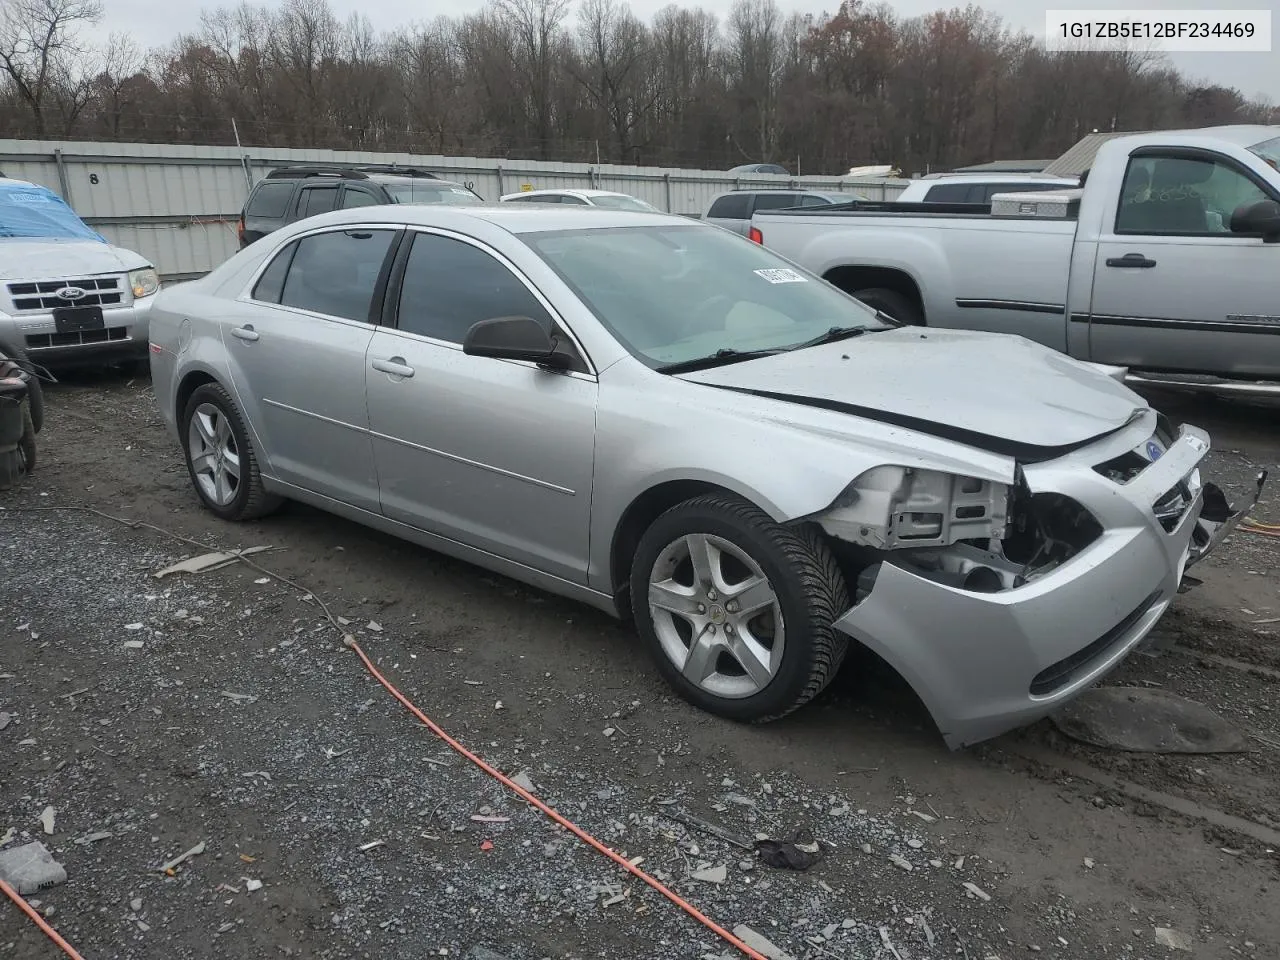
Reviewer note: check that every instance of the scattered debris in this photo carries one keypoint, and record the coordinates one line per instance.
(262, 581)
(332, 754)
(182, 858)
(206, 562)
(928, 931)
(705, 826)
(133, 626)
(760, 944)
(1088, 863)
(486, 845)
(1137, 720)
(372, 844)
(135, 906)
(1168, 937)
(796, 855)
(497, 705)
(46, 820)
(977, 891)
(251, 885)
(927, 818)
(522, 781)
(374, 626)
(8, 835)
(239, 697)
(711, 874)
(888, 944)
(898, 860)
(6, 719)
(133, 644)
(481, 818)
(609, 731)
(30, 867)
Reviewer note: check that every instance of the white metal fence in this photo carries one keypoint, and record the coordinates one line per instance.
(178, 205)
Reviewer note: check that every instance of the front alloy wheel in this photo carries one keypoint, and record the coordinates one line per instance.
(738, 609)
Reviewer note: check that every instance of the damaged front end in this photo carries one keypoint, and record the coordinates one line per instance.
(997, 601)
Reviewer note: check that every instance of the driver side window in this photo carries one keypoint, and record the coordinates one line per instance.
(449, 285)
(1182, 196)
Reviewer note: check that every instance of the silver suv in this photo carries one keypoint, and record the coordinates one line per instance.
(733, 210)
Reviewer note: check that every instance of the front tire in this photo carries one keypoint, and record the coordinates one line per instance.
(220, 458)
(737, 609)
(35, 389)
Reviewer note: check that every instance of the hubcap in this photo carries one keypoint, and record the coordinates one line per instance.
(716, 615)
(215, 459)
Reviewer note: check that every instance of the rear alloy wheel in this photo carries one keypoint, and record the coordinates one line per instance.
(221, 459)
(738, 609)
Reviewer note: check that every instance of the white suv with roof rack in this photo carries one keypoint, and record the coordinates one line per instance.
(67, 296)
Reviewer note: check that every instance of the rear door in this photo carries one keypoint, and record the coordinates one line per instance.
(315, 198)
(296, 349)
(1173, 288)
(495, 454)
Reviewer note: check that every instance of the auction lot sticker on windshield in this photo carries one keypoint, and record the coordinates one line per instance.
(780, 275)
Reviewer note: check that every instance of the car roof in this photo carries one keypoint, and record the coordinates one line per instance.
(995, 178)
(416, 181)
(514, 218)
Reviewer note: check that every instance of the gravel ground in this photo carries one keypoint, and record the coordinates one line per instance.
(220, 708)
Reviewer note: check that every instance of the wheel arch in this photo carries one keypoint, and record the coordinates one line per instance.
(851, 279)
(646, 507)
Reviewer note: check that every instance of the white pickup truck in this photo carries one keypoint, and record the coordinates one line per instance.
(1166, 262)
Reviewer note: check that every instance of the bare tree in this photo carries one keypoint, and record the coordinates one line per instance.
(616, 68)
(536, 29)
(42, 54)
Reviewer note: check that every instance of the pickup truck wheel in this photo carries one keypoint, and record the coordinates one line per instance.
(35, 389)
(893, 303)
(736, 609)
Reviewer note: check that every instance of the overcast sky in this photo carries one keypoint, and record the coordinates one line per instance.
(156, 22)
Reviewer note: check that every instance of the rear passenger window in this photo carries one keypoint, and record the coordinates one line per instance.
(734, 206)
(813, 200)
(776, 201)
(358, 198)
(316, 200)
(336, 273)
(450, 285)
(271, 284)
(948, 193)
(269, 200)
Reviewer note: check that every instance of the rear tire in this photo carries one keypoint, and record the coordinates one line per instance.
(35, 389)
(220, 458)
(893, 303)
(737, 609)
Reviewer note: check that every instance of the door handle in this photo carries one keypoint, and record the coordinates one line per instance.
(1132, 261)
(395, 366)
(245, 333)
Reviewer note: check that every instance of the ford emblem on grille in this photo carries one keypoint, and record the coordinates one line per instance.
(1154, 451)
(70, 293)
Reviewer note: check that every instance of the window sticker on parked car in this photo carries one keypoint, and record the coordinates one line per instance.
(780, 275)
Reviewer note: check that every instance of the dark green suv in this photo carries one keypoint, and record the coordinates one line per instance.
(293, 193)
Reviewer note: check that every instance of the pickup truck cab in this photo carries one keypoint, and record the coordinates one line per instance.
(1165, 262)
(67, 297)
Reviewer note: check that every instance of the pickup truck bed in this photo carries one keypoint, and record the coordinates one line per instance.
(1162, 263)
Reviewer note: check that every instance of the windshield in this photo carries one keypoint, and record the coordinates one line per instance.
(34, 212)
(1268, 150)
(671, 294)
(620, 202)
(429, 192)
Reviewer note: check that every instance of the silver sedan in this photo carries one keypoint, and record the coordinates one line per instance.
(670, 423)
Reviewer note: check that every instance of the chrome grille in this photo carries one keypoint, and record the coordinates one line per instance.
(42, 341)
(43, 295)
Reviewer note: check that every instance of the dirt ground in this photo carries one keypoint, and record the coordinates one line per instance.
(156, 714)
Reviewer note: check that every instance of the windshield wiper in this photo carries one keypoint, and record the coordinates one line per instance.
(837, 333)
(720, 358)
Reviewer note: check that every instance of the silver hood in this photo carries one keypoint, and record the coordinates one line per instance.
(1003, 393)
(41, 259)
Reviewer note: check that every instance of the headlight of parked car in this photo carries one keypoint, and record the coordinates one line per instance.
(892, 507)
(144, 282)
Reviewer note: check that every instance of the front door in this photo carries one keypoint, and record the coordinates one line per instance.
(495, 454)
(297, 352)
(1174, 289)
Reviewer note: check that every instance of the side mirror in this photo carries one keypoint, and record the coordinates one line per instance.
(515, 338)
(1262, 217)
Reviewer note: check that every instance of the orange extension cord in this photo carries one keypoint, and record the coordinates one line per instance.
(39, 921)
(572, 827)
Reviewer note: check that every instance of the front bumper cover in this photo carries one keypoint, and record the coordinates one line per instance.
(985, 663)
